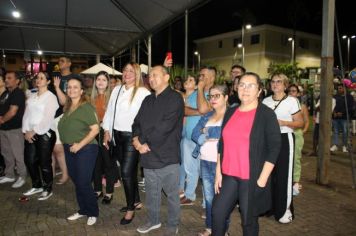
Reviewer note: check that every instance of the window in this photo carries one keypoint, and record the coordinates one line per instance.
(284, 40)
(236, 42)
(304, 43)
(255, 39)
(220, 44)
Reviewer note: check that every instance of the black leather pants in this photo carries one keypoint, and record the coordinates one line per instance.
(128, 158)
(38, 160)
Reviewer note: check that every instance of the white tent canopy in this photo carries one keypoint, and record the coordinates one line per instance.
(101, 67)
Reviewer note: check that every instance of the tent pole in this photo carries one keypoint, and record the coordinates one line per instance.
(113, 65)
(149, 52)
(186, 45)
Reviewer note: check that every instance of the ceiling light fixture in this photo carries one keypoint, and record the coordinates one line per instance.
(15, 13)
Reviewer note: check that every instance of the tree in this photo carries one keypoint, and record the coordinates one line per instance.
(292, 71)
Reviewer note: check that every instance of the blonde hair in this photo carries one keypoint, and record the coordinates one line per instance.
(138, 78)
(94, 93)
(283, 77)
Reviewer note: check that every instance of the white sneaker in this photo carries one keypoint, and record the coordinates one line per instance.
(344, 149)
(142, 182)
(75, 216)
(91, 220)
(19, 182)
(148, 227)
(33, 191)
(287, 218)
(45, 195)
(296, 189)
(6, 180)
(333, 148)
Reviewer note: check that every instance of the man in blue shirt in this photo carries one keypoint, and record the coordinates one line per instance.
(196, 106)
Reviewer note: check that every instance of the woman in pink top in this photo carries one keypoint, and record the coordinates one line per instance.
(248, 148)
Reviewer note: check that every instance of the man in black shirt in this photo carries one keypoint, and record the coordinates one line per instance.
(157, 132)
(12, 141)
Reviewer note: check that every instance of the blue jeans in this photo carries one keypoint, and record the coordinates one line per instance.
(191, 167)
(208, 170)
(80, 168)
(339, 125)
(182, 173)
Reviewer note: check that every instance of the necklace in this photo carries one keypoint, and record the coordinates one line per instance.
(277, 102)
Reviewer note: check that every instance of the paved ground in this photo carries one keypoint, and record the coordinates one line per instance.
(320, 210)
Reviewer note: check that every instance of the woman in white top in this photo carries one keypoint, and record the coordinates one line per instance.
(124, 103)
(37, 125)
(289, 117)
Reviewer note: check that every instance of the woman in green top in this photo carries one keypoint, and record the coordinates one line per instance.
(77, 129)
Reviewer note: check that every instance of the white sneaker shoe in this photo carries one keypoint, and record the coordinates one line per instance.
(91, 220)
(75, 216)
(333, 148)
(45, 195)
(19, 183)
(344, 149)
(33, 191)
(287, 218)
(296, 189)
(5, 179)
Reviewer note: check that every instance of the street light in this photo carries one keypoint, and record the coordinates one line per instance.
(290, 39)
(348, 48)
(198, 55)
(247, 26)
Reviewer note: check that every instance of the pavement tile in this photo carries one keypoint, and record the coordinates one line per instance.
(320, 210)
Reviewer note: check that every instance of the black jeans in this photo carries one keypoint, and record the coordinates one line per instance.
(128, 158)
(233, 191)
(38, 160)
(105, 165)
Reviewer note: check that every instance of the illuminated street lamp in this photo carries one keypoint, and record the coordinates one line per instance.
(246, 26)
(196, 53)
(348, 49)
(290, 39)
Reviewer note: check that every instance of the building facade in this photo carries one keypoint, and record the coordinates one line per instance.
(263, 45)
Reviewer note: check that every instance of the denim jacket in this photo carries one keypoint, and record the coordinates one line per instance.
(213, 132)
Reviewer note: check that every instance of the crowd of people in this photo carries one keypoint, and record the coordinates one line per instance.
(243, 143)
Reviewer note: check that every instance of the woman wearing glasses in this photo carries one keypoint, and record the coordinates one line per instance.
(123, 106)
(245, 159)
(289, 117)
(293, 90)
(206, 135)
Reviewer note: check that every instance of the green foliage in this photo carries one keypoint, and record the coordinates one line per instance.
(292, 71)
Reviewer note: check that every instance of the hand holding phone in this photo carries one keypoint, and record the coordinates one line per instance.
(168, 61)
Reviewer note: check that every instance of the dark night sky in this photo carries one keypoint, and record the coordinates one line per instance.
(219, 16)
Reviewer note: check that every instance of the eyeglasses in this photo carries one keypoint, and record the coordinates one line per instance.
(247, 86)
(276, 81)
(214, 96)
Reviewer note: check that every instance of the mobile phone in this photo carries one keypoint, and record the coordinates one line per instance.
(169, 55)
